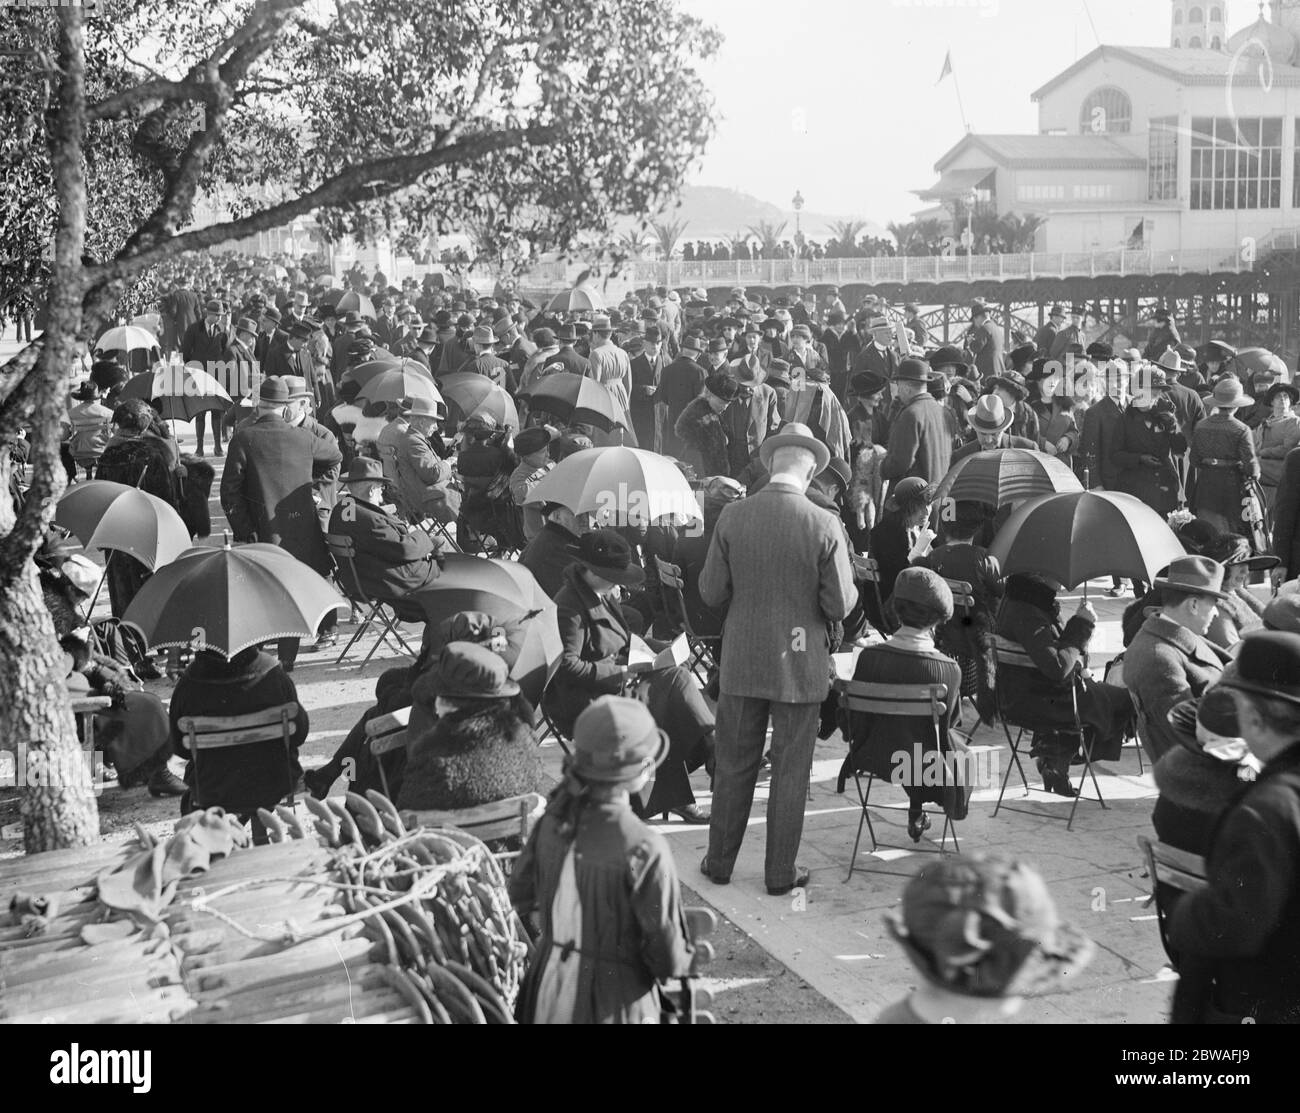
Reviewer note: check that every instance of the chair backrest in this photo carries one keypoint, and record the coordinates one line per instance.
(500, 819)
(343, 552)
(674, 587)
(867, 569)
(388, 732)
(1176, 868)
(219, 732)
(902, 700)
(963, 596)
(1013, 654)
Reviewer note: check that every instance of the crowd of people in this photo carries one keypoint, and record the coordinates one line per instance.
(802, 247)
(816, 438)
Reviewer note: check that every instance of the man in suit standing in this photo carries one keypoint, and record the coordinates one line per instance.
(986, 342)
(206, 341)
(180, 310)
(776, 650)
(647, 366)
(680, 383)
(1045, 338)
(920, 443)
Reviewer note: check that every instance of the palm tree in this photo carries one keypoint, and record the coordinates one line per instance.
(846, 232)
(1020, 232)
(736, 241)
(668, 233)
(768, 233)
(902, 233)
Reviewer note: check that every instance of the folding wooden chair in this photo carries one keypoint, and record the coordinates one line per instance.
(906, 701)
(384, 734)
(434, 529)
(867, 570)
(689, 1004)
(513, 817)
(703, 647)
(1012, 655)
(385, 611)
(221, 732)
(1176, 868)
(1114, 676)
(963, 603)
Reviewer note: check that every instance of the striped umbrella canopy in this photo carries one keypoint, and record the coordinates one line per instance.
(578, 299)
(227, 599)
(354, 301)
(107, 515)
(468, 394)
(393, 386)
(622, 485)
(1006, 475)
(576, 399)
(363, 372)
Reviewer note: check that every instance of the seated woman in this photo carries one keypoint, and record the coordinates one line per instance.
(969, 638)
(470, 745)
(240, 779)
(596, 642)
(1030, 616)
(900, 537)
(922, 602)
(1242, 611)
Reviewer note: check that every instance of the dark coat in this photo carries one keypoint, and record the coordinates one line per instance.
(919, 442)
(1247, 919)
(424, 478)
(1139, 436)
(1098, 441)
(595, 639)
(702, 439)
(471, 757)
(986, 344)
(679, 384)
(240, 779)
(1162, 339)
(1195, 790)
(645, 410)
(1219, 489)
(548, 557)
(393, 558)
(1041, 694)
(266, 488)
(1286, 516)
(197, 343)
(689, 554)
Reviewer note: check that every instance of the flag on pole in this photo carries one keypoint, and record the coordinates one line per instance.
(947, 67)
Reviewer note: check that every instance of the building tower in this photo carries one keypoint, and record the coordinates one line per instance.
(1203, 24)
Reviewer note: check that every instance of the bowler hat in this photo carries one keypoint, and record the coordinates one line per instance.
(428, 335)
(352, 319)
(717, 344)
(470, 671)
(913, 371)
(544, 337)
(1268, 664)
(653, 334)
(928, 588)
(1210, 721)
(363, 469)
(274, 389)
(300, 330)
(986, 926)
(1194, 575)
(990, 415)
(566, 333)
(794, 435)
(607, 553)
(616, 739)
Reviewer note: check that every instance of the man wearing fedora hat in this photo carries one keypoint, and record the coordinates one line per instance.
(567, 338)
(268, 489)
(485, 361)
(1163, 337)
(393, 557)
(1045, 337)
(680, 383)
(1070, 335)
(1170, 660)
(920, 443)
(424, 476)
(877, 353)
(991, 422)
(1011, 387)
(206, 342)
(1245, 923)
(776, 649)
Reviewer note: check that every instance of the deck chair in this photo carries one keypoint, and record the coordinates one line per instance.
(384, 734)
(385, 612)
(1115, 676)
(867, 570)
(513, 817)
(688, 1004)
(703, 647)
(221, 732)
(909, 701)
(434, 529)
(1010, 654)
(1175, 868)
(963, 603)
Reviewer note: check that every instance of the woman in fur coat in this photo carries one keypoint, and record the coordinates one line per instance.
(700, 429)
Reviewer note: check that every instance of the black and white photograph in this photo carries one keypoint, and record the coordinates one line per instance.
(598, 512)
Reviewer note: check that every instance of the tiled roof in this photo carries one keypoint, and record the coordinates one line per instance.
(1048, 151)
(1192, 67)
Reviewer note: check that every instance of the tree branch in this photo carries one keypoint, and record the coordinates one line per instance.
(149, 95)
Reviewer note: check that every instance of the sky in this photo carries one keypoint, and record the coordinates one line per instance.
(838, 98)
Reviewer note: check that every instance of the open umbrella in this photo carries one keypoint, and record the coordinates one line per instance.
(363, 372)
(230, 598)
(1080, 535)
(183, 392)
(509, 593)
(107, 515)
(468, 393)
(150, 322)
(393, 386)
(1006, 475)
(331, 296)
(576, 399)
(126, 338)
(578, 299)
(627, 485)
(354, 301)
(1252, 361)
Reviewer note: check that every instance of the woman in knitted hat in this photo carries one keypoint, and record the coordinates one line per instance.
(600, 883)
(983, 932)
(922, 602)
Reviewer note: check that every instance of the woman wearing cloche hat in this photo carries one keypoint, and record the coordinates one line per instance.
(601, 884)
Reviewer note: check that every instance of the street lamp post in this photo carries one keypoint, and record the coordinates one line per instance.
(969, 237)
(798, 231)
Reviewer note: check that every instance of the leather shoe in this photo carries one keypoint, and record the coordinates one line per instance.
(166, 783)
(801, 878)
(315, 781)
(705, 869)
(692, 813)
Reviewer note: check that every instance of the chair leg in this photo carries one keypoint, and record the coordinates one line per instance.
(357, 636)
(383, 778)
(1015, 762)
(864, 817)
(949, 825)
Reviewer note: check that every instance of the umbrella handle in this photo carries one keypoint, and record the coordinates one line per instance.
(90, 609)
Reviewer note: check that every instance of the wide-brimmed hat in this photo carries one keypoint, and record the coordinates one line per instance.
(566, 332)
(1056, 311)
(1013, 383)
(914, 371)
(990, 415)
(947, 356)
(908, 490)
(986, 926)
(1229, 394)
(866, 383)
(363, 470)
(483, 335)
(1231, 549)
(1218, 351)
(1268, 664)
(1023, 355)
(1288, 389)
(926, 588)
(420, 406)
(607, 553)
(273, 390)
(795, 435)
(470, 671)
(616, 739)
(246, 324)
(1195, 575)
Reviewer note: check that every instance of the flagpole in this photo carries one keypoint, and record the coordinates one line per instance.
(960, 106)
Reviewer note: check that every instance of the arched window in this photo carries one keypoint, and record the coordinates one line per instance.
(1195, 16)
(1107, 111)
(1216, 15)
(1216, 43)
(1178, 18)
(1195, 44)
(1178, 44)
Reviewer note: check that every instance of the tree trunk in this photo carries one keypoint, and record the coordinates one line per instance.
(58, 804)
